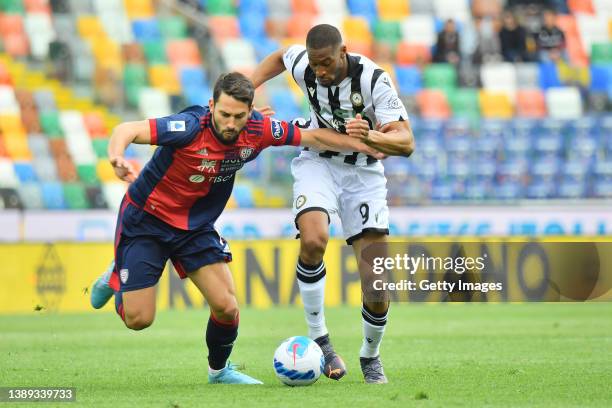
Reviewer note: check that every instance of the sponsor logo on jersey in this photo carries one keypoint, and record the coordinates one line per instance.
(246, 152)
(207, 166)
(276, 128)
(203, 152)
(197, 178)
(311, 90)
(300, 201)
(124, 274)
(176, 126)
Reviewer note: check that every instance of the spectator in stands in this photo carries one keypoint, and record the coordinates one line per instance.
(550, 39)
(488, 49)
(513, 39)
(447, 46)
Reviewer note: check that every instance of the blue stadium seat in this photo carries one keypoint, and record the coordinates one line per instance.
(243, 194)
(458, 169)
(409, 79)
(523, 126)
(549, 144)
(53, 196)
(541, 189)
(601, 77)
(264, 47)
(252, 26)
(484, 168)
(257, 7)
(191, 76)
(478, 190)
(25, 172)
(441, 190)
(576, 169)
(146, 30)
(31, 196)
(510, 190)
(486, 146)
(517, 145)
(549, 76)
(365, 8)
(602, 189)
(427, 170)
(398, 167)
(198, 95)
(570, 188)
(254, 169)
(284, 104)
(603, 169)
(583, 146)
(512, 169)
(458, 145)
(545, 168)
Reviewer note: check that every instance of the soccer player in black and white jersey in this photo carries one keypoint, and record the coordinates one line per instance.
(340, 87)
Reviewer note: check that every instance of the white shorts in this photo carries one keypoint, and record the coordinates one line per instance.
(358, 194)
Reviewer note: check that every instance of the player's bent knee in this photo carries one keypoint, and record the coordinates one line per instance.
(227, 310)
(312, 246)
(138, 321)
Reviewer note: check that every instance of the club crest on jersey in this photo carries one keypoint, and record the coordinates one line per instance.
(176, 126)
(356, 99)
(124, 275)
(276, 128)
(203, 152)
(246, 152)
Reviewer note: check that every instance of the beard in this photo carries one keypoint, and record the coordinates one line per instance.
(227, 137)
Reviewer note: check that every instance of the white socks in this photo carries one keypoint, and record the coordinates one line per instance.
(311, 281)
(373, 330)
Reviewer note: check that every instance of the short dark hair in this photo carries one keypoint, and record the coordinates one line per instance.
(323, 35)
(236, 85)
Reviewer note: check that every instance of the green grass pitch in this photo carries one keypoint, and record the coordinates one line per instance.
(435, 355)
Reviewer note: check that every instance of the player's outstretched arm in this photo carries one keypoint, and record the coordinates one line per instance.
(124, 134)
(327, 139)
(268, 68)
(394, 138)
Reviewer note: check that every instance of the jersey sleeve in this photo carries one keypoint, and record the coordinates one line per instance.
(280, 133)
(177, 130)
(388, 107)
(290, 56)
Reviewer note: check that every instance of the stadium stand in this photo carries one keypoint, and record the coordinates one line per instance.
(486, 129)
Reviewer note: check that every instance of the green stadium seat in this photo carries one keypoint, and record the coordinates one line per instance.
(12, 7)
(134, 79)
(75, 196)
(87, 173)
(155, 52)
(387, 32)
(50, 123)
(100, 147)
(464, 102)
(440, 76)
(601, 52)
(220, 7)
(173, 27)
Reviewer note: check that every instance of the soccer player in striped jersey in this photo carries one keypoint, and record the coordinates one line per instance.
(343, 89)
(170, 208)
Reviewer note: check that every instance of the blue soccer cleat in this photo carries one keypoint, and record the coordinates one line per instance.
(100, 291)
(229, 375)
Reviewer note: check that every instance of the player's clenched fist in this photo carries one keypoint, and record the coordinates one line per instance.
(123, 169)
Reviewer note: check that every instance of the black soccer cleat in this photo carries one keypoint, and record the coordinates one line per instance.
(334, 367)
(372, 369)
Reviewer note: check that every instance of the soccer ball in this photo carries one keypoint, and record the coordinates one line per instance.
(298, 361)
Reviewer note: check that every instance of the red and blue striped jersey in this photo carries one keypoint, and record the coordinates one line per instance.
(190, 177)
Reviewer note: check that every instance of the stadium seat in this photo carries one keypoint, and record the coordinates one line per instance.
(146, 30)
(393, 9)
(252, 26)
(356, 28)
(8, 176)
(419, 29)
(155, 52)
(10, 199)
(220, 7)
(387, 32)
(499, 77)
(153, 103)
(564, 103)
(183, 52)
(433, 104)
(12, 6)
(601, 53)
(458, 10)
(408, 79)
(410, 54)
(495, 105)
(164, 77)
(549, 76)
(53, 196)
(239, 55)
(440, 76)
(530, 103)
(172, 27)
(138, 9)
(527, 76)
(363, 8)
(580, 6)
(31, 196)
(25, 172)
(224, 27)
(113, 193)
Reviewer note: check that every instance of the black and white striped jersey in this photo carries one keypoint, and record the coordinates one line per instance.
(367, 89)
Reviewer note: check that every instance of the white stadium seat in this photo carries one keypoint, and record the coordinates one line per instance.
(564, 103)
